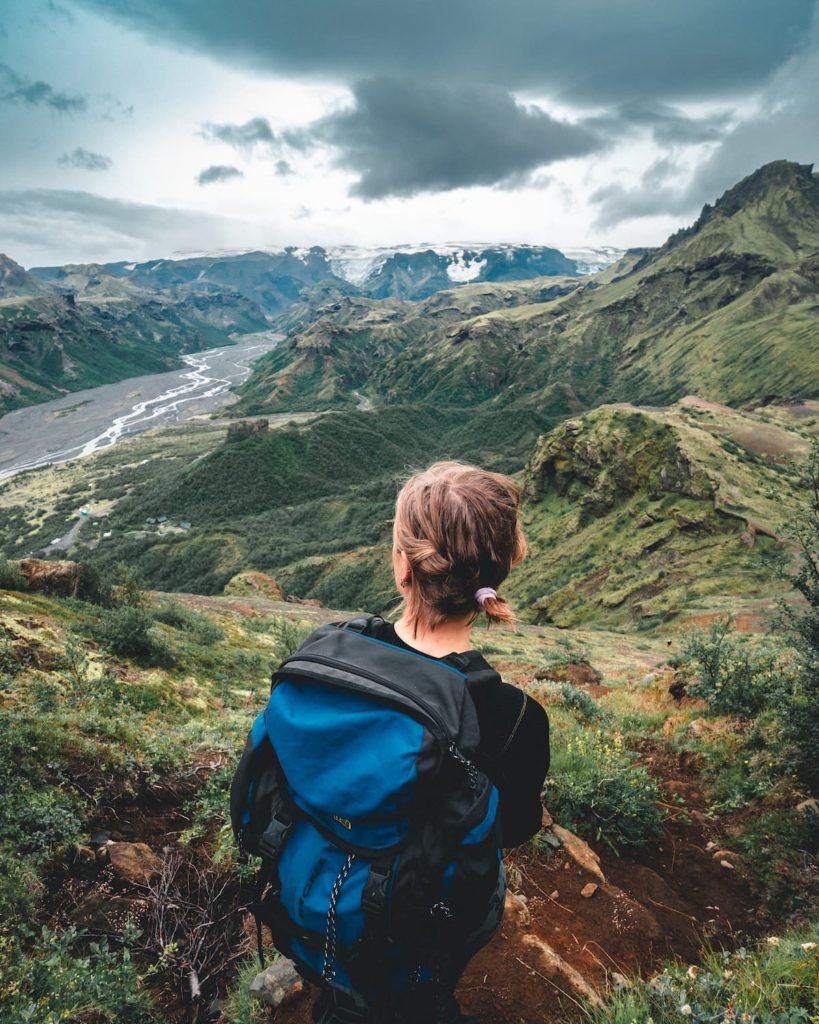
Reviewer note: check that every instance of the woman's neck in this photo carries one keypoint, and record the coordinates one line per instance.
(451, 635)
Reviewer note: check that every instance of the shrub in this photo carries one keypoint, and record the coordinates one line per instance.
(64, 979)
(288, 636)
(595, 789)
(576, 701)
(734, 678)
(10, 576)
(127, 632)
(199, 626)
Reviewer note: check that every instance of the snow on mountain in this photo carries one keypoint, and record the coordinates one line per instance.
(465, 261)
(591, 260)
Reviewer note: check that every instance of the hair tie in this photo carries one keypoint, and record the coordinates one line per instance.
(482, 595)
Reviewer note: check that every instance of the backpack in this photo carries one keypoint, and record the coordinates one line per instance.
(379, 836)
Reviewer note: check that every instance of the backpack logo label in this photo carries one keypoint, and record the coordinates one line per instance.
(344, 822)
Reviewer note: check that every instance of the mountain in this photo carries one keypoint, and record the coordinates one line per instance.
(417, 275)
(725, 309)
(275, 279)
(643, 515)
(15, 281)
(83, 327)
(333, 346)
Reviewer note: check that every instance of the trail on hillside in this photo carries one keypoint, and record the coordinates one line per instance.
(568, 931)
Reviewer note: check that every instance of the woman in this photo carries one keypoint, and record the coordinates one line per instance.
(456, 537)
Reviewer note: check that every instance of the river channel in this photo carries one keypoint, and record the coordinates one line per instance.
(87, 421)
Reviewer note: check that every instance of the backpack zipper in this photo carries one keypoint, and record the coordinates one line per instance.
(440, 732)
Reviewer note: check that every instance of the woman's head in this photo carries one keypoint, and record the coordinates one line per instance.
(456, 531)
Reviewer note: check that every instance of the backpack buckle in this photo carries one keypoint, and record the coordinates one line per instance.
(374, 894)
(273, 837)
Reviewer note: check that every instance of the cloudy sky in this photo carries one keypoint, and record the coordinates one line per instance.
(132, 129)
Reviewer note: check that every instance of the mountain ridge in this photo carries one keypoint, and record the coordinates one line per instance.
(726, 309)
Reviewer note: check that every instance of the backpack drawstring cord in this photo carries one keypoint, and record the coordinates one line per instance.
(329, 971)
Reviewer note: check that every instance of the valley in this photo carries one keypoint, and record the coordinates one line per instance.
(167, 539)
(94, 419)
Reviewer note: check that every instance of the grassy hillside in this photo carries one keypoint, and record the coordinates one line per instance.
(725, 309)
(646, 516)
(99, 330)
(120, 724)
(634, 515)
(336, 347)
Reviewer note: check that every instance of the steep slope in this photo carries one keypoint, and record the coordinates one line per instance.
(15, 281)
(726, 309)
(339, 346)
(55, 340)
(643, 514)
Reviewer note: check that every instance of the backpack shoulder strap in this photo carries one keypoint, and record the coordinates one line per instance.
(477, 670)
(368, 625)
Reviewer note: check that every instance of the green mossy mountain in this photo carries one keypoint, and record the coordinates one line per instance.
(632, 514)
(726, 309)
(96, 330)
(643, 514)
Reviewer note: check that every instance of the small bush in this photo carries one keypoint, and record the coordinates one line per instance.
(10, 576)
(37, 821)
(578, 702)
(126, 631)
(288, 636)
(596, 790)
(734, 679)
(64, 979)
(200, 628)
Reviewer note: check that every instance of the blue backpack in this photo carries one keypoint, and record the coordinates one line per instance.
(379, 836)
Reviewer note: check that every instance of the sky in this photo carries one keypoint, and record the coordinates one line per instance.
(139, 129)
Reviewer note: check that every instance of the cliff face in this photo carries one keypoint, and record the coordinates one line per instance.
(643, 513)
(725, 309)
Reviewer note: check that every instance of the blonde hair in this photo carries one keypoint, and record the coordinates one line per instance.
(458, 527)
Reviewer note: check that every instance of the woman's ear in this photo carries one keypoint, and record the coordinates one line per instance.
(403, 569)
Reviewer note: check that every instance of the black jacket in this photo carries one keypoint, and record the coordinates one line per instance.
(514, 750)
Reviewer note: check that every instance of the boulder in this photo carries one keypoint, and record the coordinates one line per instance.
(57, 578)
(277, 984)
(131, 862)
(254, 584)
(578, 673)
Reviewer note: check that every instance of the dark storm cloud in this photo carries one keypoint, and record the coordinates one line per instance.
(283, 168)
(785, 126)
(241, 136)
(405, 137)
(217, 172)
(85, 160)
(586, 51)
(669, 126)
(15, 88)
